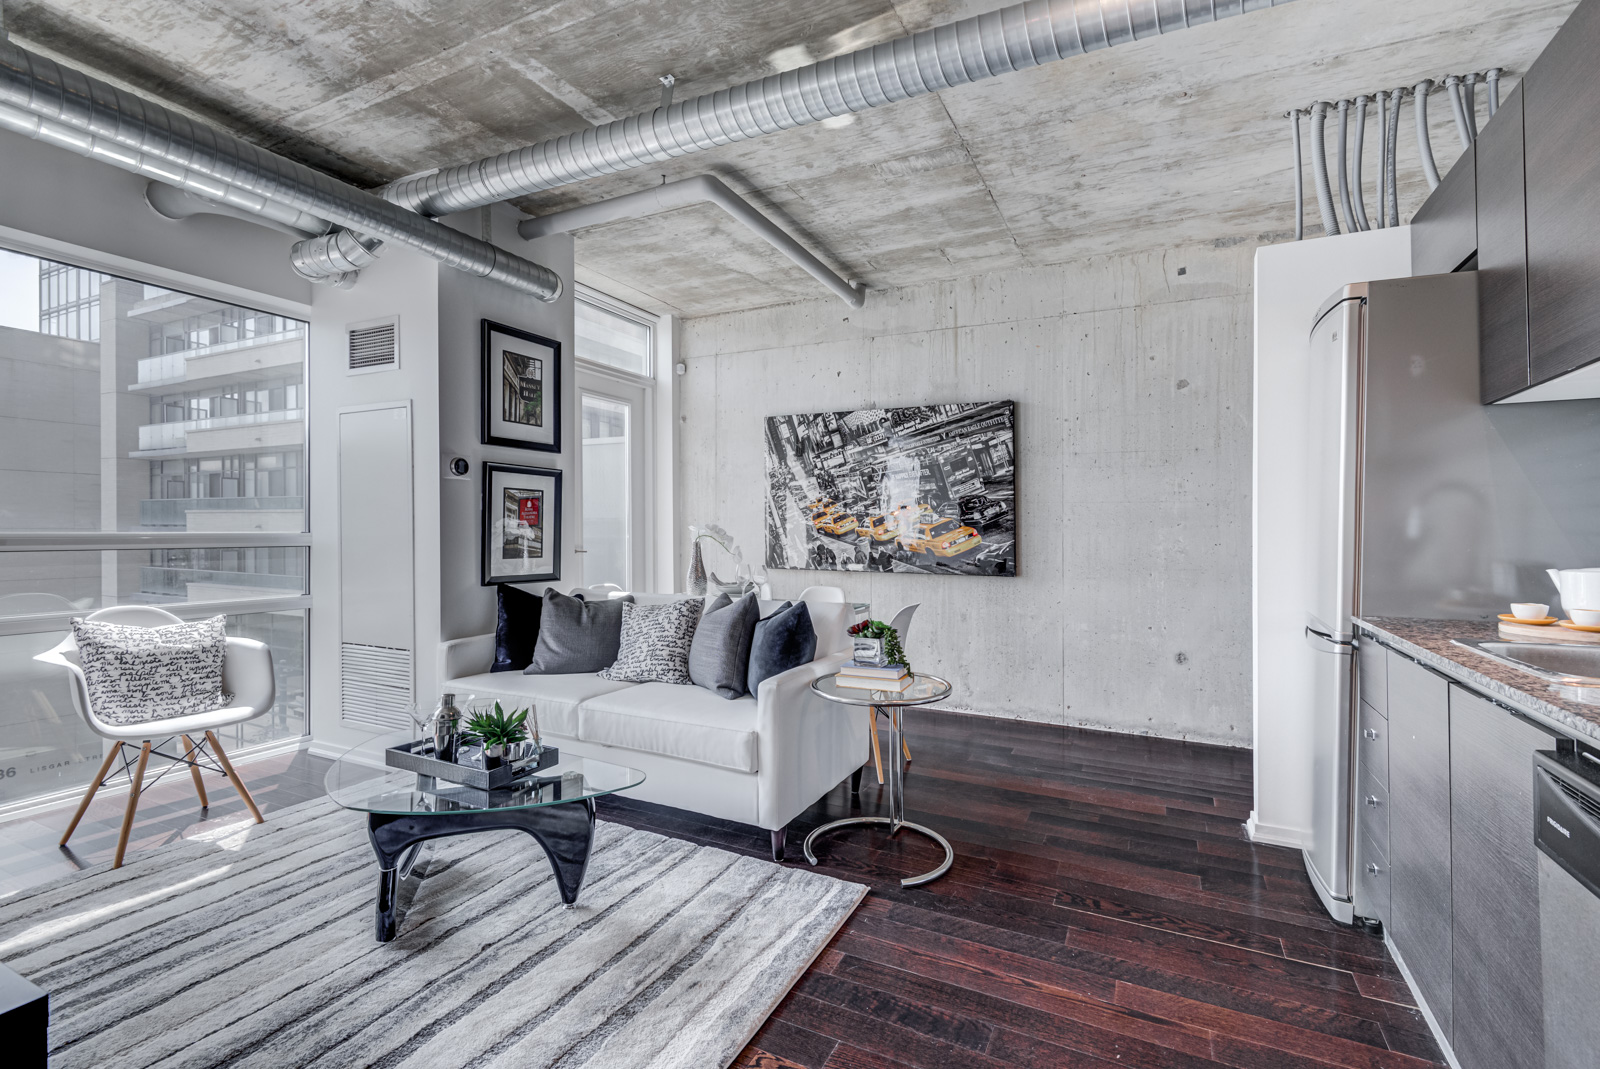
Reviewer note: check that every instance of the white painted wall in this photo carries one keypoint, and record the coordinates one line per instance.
(467, 607)
(406, 284)
(1131, 608)
(1291, 282)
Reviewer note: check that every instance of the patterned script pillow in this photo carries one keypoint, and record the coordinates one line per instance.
(655, 642)
(135, 674)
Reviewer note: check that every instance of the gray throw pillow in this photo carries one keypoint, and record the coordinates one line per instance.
(655, 642)
(576, 635)
(782, 641)
(135, 674)
(719, 659)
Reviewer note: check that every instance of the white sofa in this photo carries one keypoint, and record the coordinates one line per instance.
(759, 760)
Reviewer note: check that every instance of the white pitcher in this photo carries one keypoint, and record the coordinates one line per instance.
(1579, 587)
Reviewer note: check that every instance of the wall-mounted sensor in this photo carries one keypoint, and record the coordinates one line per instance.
(457, 467)
(682, 367)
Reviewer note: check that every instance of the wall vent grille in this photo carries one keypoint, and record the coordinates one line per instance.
(374, 346)
(375, 687)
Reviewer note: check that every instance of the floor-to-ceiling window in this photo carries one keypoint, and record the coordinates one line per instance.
(615, 351)
(152, 451)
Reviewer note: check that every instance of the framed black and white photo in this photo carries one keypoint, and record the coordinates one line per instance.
(521, 524)
(930, 489)
(521, 389)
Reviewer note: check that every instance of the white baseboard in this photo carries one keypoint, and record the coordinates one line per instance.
(1274, 835)
(359, 755)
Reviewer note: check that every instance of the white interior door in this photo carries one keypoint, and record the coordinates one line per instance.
(614, 430)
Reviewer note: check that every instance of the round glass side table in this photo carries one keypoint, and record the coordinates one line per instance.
(924, 690)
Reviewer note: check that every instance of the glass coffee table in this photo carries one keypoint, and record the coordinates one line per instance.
(924, 690)
(404, 810)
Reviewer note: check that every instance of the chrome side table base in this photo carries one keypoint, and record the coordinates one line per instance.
(894, 826)
(895, 781)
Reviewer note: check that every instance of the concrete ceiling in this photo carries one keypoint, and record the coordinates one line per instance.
(1173, 140)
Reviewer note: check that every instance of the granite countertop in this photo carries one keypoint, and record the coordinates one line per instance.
(1560, 708)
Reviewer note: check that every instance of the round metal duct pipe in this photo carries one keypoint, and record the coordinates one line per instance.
(65, 107)
(170, 202)
(1010, 39)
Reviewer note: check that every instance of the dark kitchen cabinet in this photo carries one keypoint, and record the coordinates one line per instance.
(1444, 232)
(1561, 97)
(1494, 886)
(1419, 830)
(1502, 254)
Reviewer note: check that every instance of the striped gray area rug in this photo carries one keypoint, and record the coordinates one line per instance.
(255, 950)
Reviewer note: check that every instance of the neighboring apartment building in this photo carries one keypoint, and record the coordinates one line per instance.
(136, 408)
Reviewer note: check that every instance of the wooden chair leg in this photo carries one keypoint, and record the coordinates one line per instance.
(88, 796)
(906, 748)
(133, 804)
(190, 751)
(233, 777)
(877, 756)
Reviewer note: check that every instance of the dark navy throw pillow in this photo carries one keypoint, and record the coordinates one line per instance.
(516, 628)
(781, 641)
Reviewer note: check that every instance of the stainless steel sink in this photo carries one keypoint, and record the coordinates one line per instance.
(1576, 666)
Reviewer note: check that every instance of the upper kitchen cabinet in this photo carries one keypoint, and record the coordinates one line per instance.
(1444, 232)
(1502, 254)
(1561, 97)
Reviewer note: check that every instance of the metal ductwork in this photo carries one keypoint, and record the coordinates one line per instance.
(170, 202)
(65, 107)
(1010, 39)
(701, 189)
(333, 259)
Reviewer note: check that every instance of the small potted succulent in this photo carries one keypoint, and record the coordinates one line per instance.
(498, 730)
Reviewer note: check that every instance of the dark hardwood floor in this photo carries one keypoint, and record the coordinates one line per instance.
(1104, 910)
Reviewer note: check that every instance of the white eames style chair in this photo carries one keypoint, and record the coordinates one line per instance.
(246, 675)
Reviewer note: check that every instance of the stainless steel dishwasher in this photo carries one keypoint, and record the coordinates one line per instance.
(1566, 786)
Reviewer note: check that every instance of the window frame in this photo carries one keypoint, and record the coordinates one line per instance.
(65, 541)
(583, 294)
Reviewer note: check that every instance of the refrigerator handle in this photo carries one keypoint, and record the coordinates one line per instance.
(1326, 643)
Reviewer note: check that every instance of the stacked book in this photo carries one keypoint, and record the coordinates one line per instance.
(891, 677)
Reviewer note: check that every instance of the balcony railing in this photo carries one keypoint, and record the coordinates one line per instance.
(172, 365)
(173, 435)
(170, 512)
(174, 582)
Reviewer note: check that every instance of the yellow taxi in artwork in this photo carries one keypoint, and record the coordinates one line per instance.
(942, 537)
(837, 522)
(881, 528)
(821, 509)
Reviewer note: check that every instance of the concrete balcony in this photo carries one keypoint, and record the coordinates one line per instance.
(252, 432)
(238, 513)
(247, 359)
(206, 584)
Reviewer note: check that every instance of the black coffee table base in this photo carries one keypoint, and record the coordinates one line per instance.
(565, 831)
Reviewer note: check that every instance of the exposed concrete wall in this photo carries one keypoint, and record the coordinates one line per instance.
(1132, 607)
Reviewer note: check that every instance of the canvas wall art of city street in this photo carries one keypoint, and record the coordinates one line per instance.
(927, 489)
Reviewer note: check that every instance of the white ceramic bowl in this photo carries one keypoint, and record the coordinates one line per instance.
(1586, 617)
(1529, 610)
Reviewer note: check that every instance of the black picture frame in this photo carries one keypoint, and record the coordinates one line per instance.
(546, 484)
(494, 428)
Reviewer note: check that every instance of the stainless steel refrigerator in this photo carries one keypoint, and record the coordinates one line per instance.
(1399, 486)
